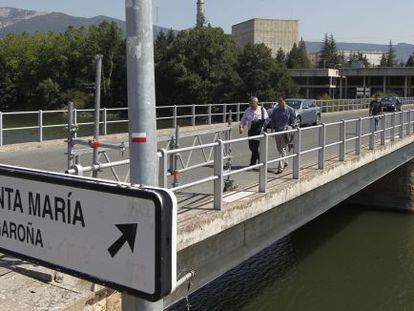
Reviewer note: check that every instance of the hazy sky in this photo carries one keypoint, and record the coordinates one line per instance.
(372, 21)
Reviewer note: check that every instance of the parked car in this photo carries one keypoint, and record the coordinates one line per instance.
(307, 112)
(391, 103)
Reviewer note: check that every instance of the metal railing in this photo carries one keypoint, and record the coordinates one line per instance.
(21, 122)
(369, 133)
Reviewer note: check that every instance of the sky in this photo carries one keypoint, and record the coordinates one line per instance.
(368, 21)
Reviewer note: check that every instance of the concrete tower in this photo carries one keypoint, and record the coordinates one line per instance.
(201, 13)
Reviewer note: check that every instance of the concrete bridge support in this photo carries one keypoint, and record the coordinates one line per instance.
(394, 191)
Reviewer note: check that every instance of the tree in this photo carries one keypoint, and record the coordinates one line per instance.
(263, 76)
(391, 56)
(198, 67)
(384, 60)
(298, 57)
(410, 61)
(281, 56)
(330, 58)
(360, 57)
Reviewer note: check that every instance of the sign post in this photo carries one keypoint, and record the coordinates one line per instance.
(141, 112)
(116, 235)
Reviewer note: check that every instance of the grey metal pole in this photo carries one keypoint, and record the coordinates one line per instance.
(97, 111)
(142, 112)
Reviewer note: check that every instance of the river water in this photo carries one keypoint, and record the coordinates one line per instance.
(347, 259)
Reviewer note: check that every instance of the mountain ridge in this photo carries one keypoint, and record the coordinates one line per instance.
(14, 20)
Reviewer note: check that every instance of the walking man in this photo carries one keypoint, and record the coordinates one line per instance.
(254, 118)
(376, 109)
(283, 118)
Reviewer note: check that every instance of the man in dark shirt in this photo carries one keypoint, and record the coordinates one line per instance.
(283, 118)
(376, 109)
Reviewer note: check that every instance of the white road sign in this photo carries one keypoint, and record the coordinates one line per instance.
(119, 236)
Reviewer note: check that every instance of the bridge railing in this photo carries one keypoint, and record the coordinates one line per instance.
(40, 125)
(346, 137)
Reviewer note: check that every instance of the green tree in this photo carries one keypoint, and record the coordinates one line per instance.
(198, 67)
(329, 57)
(262, 75)
(391, 56)
(358, 56)
(298, 57)
(281, 56)
(410, 61)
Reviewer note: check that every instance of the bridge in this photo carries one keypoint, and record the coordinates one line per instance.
(332, 162)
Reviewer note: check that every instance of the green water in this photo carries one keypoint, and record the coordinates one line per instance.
(348, 259)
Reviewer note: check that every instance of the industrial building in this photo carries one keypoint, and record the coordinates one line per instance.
(354, 82)
(274, 33)
(373, 57)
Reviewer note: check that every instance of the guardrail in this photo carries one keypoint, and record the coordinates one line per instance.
(374, 130)
(34, 125)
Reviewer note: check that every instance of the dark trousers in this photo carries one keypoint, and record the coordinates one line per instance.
(254, 148)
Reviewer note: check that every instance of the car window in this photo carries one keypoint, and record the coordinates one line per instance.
(295, 104)
(312, 104)
(305, 105)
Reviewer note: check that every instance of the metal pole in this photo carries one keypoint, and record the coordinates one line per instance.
(105, 121)
(1, 129)
(372, 136)
(322, 143)
(142, 112)
(218, 172)
(71, 135)
(359, 137)
(193, 112)
(297, 150)
(264, 153)
(393, 126)
(342, 146)
(97, 112)
(40, 123)
(383, 127)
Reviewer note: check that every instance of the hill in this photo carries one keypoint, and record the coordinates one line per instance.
(13, 20)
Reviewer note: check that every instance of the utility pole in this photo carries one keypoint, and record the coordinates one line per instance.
(97, 111)
(142, 112)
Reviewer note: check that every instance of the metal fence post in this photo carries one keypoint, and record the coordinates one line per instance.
(393, 126)
(238, 112)
(372, 131)
(224, 113)
(401, 129)
(193, 115)
(342, 146)
(105, 122)
(218, 172)
(322, 143)
(383, 131)
(264, 154)
(408, 127)
(358, 135)
(1, 129)
(40, 124)
(297, 147)
(175, 122)
(209, 114)
(75, 120)
(162, 174)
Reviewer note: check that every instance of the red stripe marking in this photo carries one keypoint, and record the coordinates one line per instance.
(139, 140)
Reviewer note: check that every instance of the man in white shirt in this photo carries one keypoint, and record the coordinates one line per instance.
(254, 119)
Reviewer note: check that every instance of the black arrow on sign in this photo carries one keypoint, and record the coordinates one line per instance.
(129, 232)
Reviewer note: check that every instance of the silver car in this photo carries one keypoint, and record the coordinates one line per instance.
(307, 112)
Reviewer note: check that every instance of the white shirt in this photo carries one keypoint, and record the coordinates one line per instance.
(251, 115)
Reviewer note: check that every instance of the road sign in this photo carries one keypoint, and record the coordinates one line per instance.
(115, 235)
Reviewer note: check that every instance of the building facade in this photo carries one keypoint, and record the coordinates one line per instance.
(348, 82)
(274, 33)
(373, 57)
